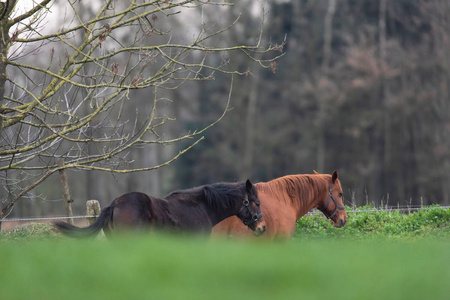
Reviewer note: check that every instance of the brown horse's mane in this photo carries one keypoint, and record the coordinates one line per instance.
(295, 187)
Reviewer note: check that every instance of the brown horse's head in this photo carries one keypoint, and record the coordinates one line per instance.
(332, 205)
(250, 210)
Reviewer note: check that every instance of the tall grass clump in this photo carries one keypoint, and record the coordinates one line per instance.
(30, 232)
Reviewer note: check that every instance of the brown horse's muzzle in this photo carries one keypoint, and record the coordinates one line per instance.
(258, 227)
(340, 222)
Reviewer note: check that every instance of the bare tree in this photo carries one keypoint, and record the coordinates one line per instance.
(63, 90)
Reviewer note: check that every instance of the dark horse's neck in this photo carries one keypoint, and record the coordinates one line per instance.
(223, 199)
(304, 191)
(203, 207)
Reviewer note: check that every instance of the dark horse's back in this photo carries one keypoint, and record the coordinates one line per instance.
(131, 210)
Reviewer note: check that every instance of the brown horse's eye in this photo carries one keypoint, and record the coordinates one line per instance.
(341, 194)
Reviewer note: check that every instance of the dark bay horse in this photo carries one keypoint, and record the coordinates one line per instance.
(286, 199)
(195, 210)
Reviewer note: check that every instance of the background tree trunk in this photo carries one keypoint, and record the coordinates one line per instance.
(323, 99)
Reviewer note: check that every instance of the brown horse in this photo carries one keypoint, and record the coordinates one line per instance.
(284, 200)
(195, 210)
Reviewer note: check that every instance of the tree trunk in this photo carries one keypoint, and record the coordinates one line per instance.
(323, 97)
(5, 10)
(250, 126)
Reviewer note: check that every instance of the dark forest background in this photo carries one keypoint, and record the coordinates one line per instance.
(363, 88)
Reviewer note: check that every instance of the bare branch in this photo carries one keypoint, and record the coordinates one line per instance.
(67, 92)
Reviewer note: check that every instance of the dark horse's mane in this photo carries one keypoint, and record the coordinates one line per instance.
(217, 195)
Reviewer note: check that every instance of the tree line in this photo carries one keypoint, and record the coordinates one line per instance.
(361, 87)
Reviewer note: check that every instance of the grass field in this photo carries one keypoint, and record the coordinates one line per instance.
(320, 262)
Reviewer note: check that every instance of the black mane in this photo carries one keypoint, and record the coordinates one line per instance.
(196, 191)
(218, 196)
(224, 195)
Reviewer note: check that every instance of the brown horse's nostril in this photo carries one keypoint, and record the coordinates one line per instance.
(341, 223)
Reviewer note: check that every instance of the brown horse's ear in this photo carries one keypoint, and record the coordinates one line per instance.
(249, 186)
(315, 172)
(334, 176)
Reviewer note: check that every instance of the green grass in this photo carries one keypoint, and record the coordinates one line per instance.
(376, 256)
(181, 268)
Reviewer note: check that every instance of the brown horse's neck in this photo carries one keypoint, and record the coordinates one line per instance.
(301, 192)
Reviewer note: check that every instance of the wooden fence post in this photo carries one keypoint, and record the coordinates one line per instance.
(92, 209)
(65, 191)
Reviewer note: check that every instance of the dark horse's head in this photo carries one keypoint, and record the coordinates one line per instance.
(250, 210)
(240, 199)
(332, 204)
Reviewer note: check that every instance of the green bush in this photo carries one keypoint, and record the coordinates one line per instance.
(366, 222)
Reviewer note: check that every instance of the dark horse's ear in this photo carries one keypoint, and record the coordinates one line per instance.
(249, 186)
(334, 176)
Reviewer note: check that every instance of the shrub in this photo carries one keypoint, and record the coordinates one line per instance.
(366, 222)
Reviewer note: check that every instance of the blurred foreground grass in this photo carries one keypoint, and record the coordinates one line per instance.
(162, 267)
(377, 255)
